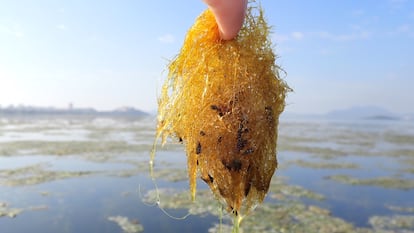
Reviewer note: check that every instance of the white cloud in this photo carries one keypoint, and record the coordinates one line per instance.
(297, 35)
(61, 27)
(167, 39)
(280, 38)
(358, 35)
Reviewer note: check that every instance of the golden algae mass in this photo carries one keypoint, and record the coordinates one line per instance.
(223, 100)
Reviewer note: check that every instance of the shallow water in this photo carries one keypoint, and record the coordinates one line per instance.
(76, 174)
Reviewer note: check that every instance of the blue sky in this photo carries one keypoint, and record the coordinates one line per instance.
(109, 54)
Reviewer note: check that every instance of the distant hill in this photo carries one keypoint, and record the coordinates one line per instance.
(40, 111)
(129, 111)
(363, 112)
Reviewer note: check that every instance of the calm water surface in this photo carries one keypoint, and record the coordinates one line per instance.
(71, 175)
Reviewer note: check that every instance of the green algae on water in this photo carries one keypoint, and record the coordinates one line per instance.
(127, 225)
(62, 148)
(36, 174)
(6, 211)
(401, 209)
(385, 182)
(287, 215)
(325, 165)
(394, 223)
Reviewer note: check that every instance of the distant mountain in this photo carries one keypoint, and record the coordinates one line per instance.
(363, 112)
(126, 111)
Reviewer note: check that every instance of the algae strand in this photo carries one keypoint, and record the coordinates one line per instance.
(223, 99)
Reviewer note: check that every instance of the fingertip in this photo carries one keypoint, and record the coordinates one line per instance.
(229, 15)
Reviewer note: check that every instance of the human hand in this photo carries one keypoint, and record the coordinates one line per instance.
(229, 15)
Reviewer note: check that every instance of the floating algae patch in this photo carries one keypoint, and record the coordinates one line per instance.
(294, 139)
(6, 211)
(404, 209)
(99, 134)
(385, 182)
(288, 215)
(394, 223)
(293, 217)
(223, 99)
(177, 199)
(407, 170)
(399, 139)
(35, 174)
(321, 152)
(406, 164)
(127, 225)
(69, 147)
(282, 191)
(406, 153)
(325, 165)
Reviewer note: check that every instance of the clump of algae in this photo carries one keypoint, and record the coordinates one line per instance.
(223, 99)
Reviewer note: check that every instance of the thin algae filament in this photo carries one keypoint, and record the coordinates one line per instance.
(222, 99)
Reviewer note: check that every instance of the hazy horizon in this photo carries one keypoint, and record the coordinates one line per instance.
(356, 110)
